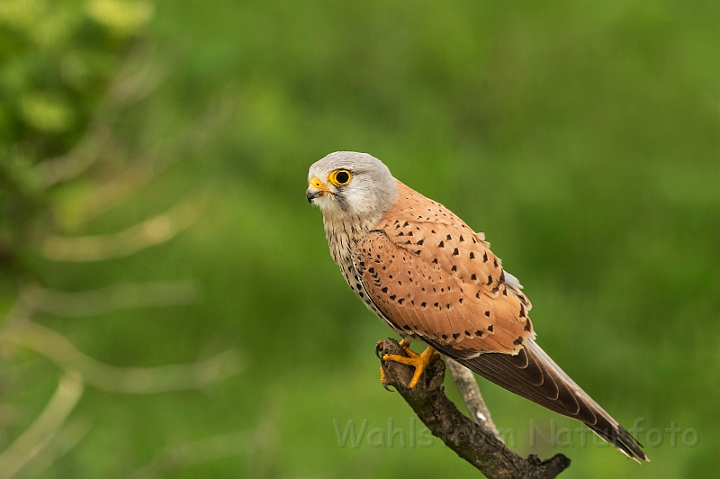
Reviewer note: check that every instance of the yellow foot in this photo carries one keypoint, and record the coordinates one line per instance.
(419, 361)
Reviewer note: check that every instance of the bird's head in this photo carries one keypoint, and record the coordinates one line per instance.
(346, 183)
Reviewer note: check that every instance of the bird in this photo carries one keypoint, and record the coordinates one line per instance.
(430, 277)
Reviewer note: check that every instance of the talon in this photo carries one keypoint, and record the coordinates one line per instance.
(418, 361)
(383, 380)
(378, 349)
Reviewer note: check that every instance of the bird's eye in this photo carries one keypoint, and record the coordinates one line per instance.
(340, 177)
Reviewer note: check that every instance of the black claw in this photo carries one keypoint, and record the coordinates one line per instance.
(379, 349)
(387, 388)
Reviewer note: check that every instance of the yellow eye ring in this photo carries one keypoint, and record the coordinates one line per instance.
(340, 177)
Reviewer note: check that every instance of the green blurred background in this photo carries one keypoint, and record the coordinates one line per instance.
(583, 138)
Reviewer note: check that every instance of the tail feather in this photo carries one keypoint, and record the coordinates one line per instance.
(535, 376)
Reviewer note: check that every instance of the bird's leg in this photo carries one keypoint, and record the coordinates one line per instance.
(419, 361)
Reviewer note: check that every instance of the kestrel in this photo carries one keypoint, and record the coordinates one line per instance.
(428, 276)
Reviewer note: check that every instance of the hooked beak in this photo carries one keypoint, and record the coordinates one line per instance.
(316, 188)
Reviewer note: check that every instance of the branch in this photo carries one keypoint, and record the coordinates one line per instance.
(473, 442)
(37, 436)
(138, 77)
(470, 392)
(150, 232)
(175, 459)
(118, 379)
(153, 294)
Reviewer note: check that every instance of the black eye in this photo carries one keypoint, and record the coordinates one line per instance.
(342, 177)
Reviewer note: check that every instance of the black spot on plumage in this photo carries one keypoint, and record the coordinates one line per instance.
(490, 328)
(408, 242)
(485, 257)
(505, 292)
(487, 313)
(392, 296)
(432, 231)
(437, 305)
(472, 255)
(410, 233)
(420, 243)
(371, 270)
(384, 290)
(447, 306)
(490, 280)
(406, 327)
(454, 268)
(448, 237)
(435, 261)
(417, 252)
(528, 327)
(401, 234)
(361, 294)
(477, 295)
(495, 263)
(473, 277)
(400, 301)
(405, 224)
(478, 333)
(456, 335)
(423, 304)
(441, 245)
(456, 252)
(461, 239)
(468, 333)
(460, 300)
(444, 336)
(518, 341)
(522, 311)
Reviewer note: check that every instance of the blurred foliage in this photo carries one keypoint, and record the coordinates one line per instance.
(57, 62)
(582, 138)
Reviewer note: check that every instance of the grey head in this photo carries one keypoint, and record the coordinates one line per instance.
(351, 184)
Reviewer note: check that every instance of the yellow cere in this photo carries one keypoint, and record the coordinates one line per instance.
(317, 184)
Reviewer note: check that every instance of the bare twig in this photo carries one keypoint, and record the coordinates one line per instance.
(155, 160)
(153, 294)
(37, 436)
(471, 441)
(198, 452)
(63, 442)
(119, 245)
(124, 380)
(138, 77)
(261, 442)
(470, 392)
